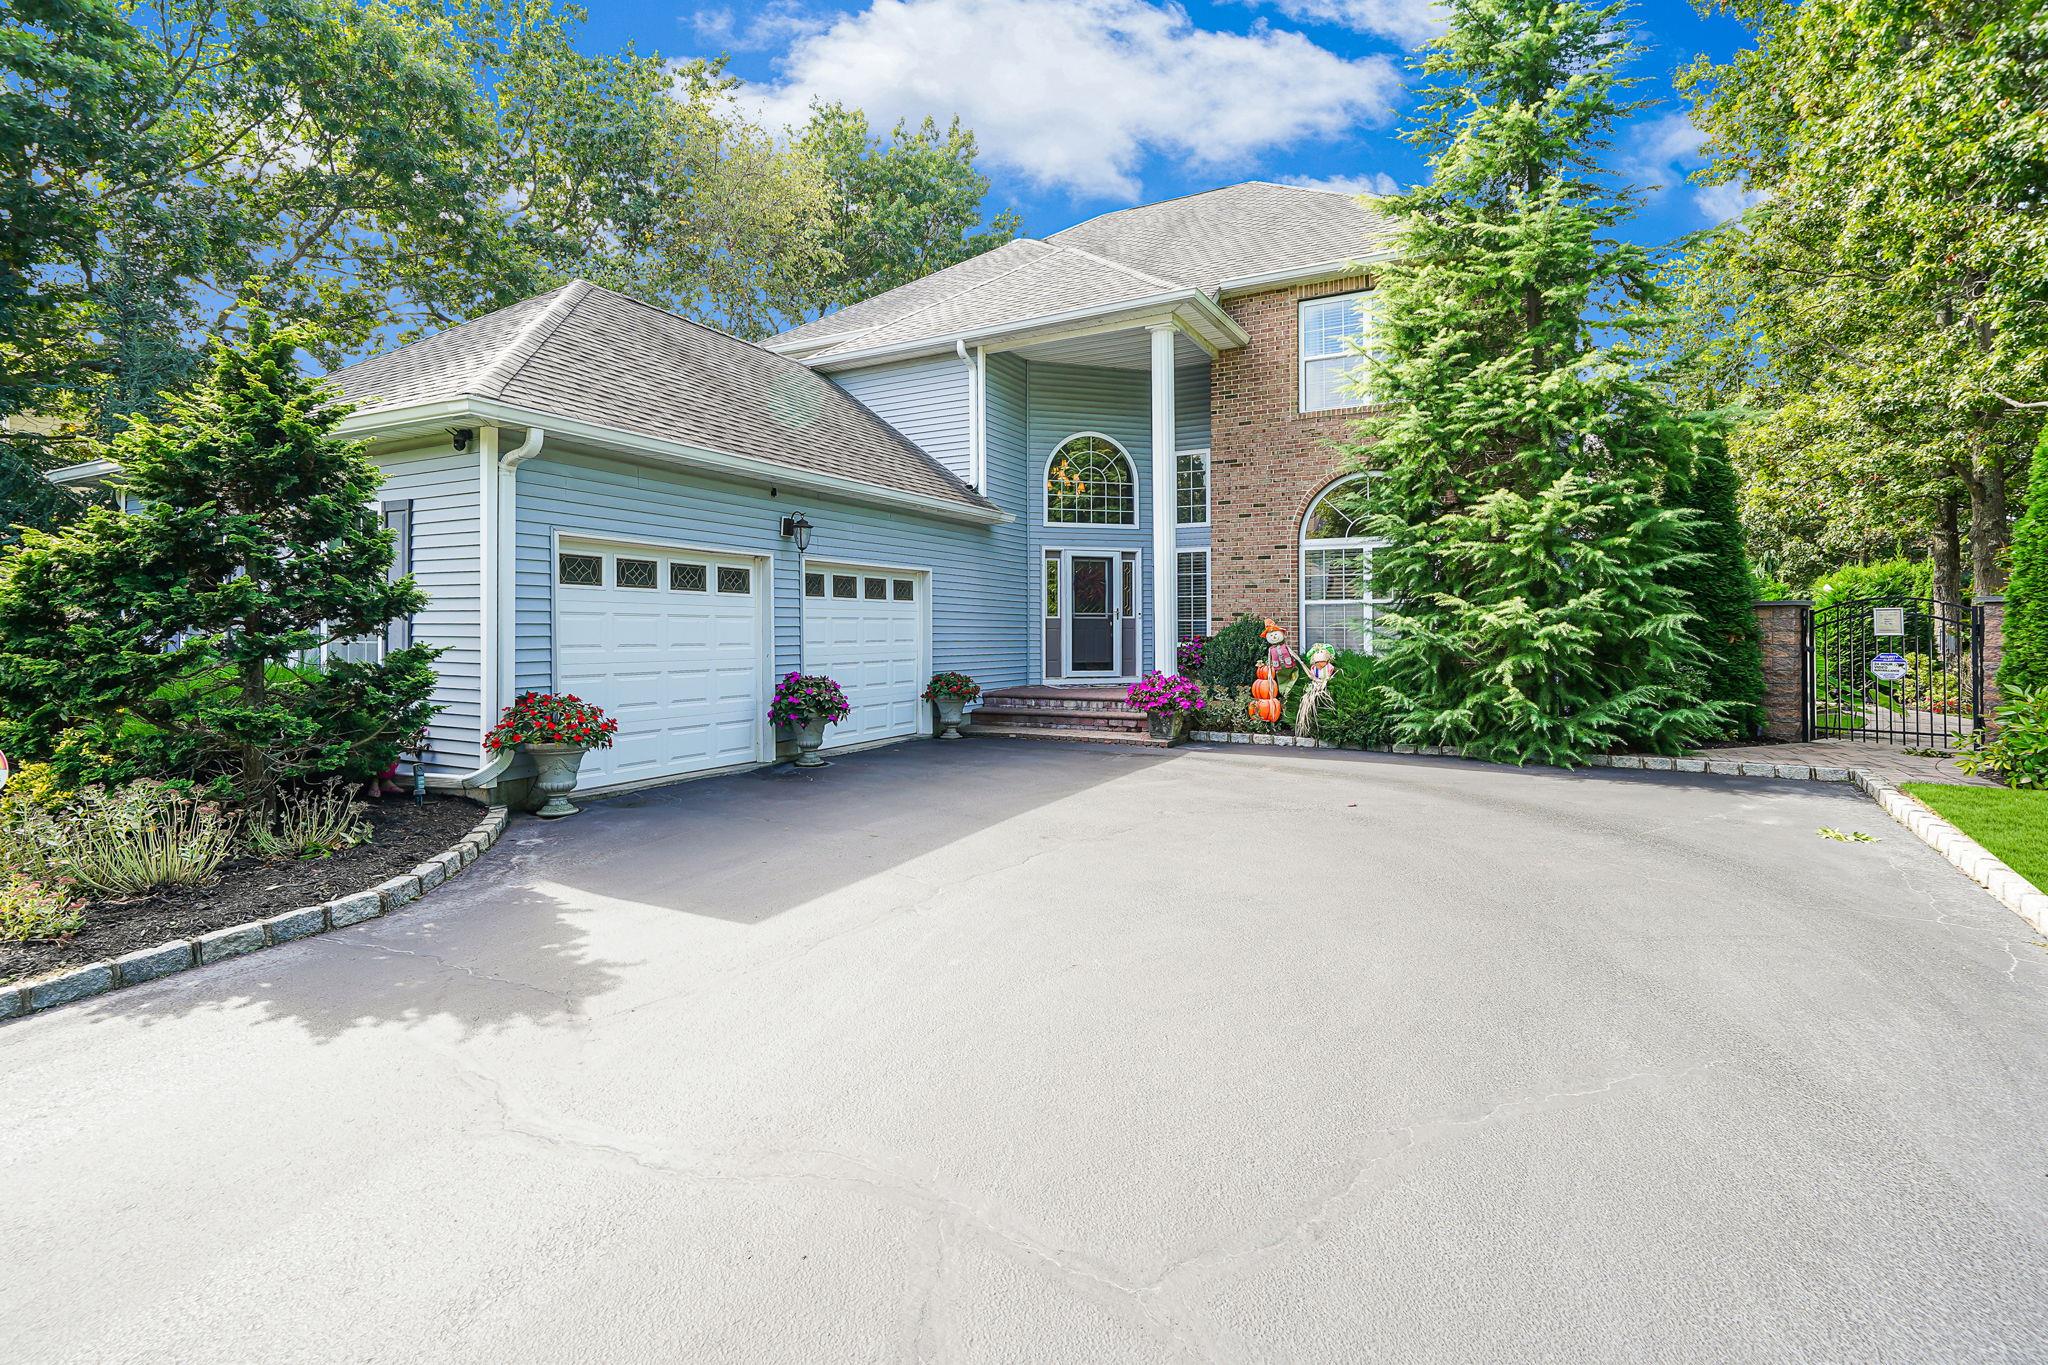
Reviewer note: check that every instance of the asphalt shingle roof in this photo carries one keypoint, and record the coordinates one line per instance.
(585, 353)
(1195, 242)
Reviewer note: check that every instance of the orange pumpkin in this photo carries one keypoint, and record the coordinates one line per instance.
(1266, 697)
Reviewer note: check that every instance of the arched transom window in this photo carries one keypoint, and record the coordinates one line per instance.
(1337, 601)
(1088, 483)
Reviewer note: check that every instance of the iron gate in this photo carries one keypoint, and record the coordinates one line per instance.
(1893, 670)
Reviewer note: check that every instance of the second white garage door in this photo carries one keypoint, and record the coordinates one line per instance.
(865, 629)
(670, 644)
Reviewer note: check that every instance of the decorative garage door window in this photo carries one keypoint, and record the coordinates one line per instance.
(1088, 482)
(1337, 602)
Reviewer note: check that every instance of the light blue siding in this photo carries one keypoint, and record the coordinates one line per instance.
(926, 400)
(446, 533)
(978, 601)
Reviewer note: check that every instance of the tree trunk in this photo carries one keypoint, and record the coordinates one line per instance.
(1988, 526)
(1946, 549)
(254, 771)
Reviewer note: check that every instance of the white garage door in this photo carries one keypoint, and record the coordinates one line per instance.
(670, 644)
(864, 628)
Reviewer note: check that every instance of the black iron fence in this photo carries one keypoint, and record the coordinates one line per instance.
(1894, 671)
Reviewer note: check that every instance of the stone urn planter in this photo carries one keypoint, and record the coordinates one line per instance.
(555, 767)
(949, 693)
(557, 729)
(807, 703)
(1165, 725)
(1167, 699)
(810, 737)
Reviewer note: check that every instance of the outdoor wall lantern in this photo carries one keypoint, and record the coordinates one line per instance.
(797, 527)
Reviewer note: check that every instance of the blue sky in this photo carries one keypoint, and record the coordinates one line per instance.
(1083, 106)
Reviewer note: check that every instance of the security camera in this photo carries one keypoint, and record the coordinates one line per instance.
(461, 436)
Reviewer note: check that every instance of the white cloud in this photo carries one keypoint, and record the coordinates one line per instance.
(1078, 93)
(1663, 154)
(765, 26)
(1409, 22)
(1376, 182)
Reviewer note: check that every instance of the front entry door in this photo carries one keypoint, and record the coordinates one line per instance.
(1092, 614)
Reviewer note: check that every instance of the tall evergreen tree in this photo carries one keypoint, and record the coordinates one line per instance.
(1722, 585)
(174, 640)
(1530, 557)
(2026, 594)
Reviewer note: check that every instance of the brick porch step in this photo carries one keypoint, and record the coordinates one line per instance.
(1074, 734)
(1047, 717)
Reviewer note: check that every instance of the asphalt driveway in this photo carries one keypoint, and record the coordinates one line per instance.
(1014, 1052)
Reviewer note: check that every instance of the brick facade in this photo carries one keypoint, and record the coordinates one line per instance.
(1782, 626)
(1267, 458)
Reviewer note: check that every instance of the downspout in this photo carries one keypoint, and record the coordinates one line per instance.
(976, 461)
(499, 511)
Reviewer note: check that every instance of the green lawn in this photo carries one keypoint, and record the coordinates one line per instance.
(2012, 824)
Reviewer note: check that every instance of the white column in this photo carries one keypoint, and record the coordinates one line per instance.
(1165, 630)
(489, 530)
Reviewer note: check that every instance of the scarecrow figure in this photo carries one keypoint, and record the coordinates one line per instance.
(1322, 666)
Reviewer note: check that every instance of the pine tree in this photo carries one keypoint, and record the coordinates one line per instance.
(171, 641)
(2025, 664)
(1722, 586)
(1520, 466)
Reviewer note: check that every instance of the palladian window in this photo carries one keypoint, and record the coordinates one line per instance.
(1337, 600)
(1088, 483)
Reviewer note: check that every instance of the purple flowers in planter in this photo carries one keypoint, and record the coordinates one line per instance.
(1165, 692)
(804, 697)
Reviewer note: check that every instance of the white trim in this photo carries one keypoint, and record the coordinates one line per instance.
(1302, 358)
(1045, 492)
(1208, 592)
(764, 623)
(1165, 478)
(431, 417)
(1302, 545)
(1208, 497)
(491, 622)
(1120, 667)
(1109, 317)
(1303, 274)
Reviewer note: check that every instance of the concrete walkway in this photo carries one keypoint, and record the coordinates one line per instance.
(1891, 763)
(1013, 1052)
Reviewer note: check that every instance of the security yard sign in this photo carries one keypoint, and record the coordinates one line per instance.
(1887, 621)
(1889, 667)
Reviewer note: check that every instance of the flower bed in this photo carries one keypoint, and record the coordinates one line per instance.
(249, 888)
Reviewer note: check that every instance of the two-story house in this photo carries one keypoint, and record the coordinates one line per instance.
(1042, 467)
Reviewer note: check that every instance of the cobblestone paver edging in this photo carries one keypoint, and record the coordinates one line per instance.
(149, 964)
(1971, 858)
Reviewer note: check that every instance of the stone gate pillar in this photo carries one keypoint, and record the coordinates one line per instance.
(1783, 626)
(1990, 651)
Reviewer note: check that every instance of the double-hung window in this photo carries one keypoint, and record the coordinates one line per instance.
(1332, 341)
(1191, 488)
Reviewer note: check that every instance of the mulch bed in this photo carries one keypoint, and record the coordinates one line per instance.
(404, 836)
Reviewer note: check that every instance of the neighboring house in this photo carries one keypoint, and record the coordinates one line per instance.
(995, 463)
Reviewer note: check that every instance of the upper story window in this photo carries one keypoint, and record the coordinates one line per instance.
(1191, 488)
(1332, 331)
(1088, 482)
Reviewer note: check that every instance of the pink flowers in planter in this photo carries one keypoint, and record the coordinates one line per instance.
(1165, 692)
(804, 697)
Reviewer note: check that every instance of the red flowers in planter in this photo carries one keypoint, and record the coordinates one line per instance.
(551, 718)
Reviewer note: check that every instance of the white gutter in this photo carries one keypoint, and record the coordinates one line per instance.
(1302, 274)
(85, 472)
(1212, 312)
(430, 417)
